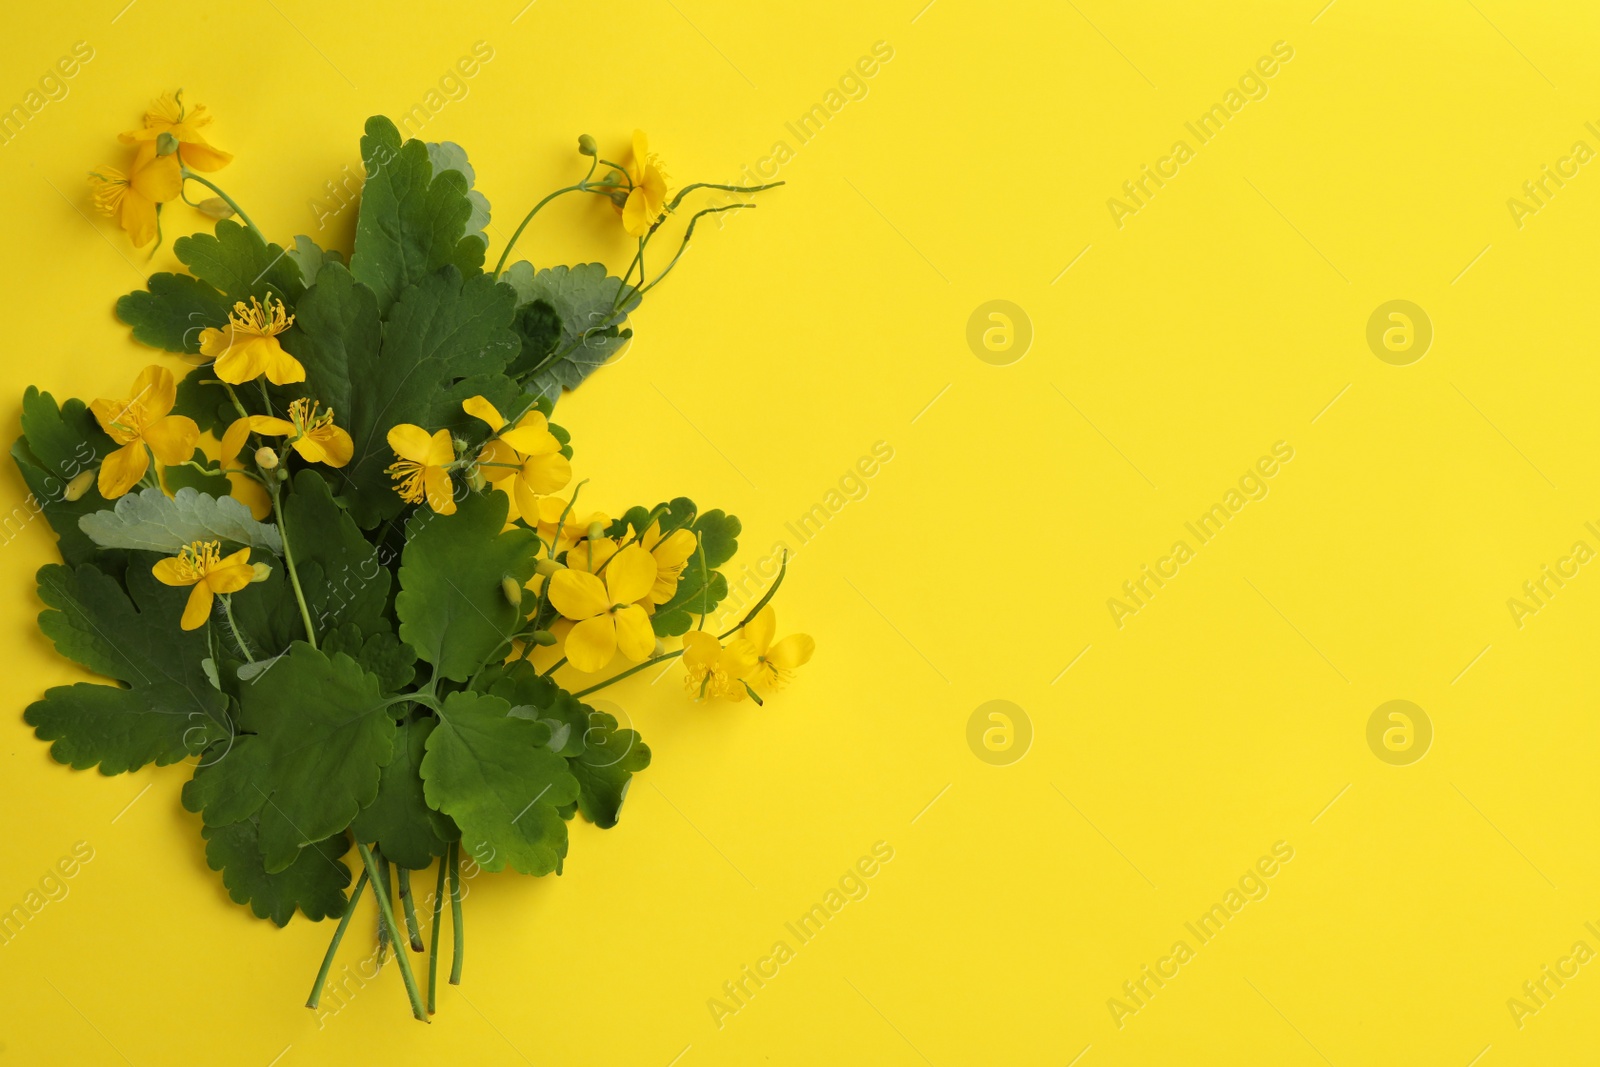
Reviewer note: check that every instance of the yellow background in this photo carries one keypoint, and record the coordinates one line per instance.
(1227, 715)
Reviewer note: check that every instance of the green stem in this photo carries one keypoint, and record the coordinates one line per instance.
(433, 953)
(683, 246)
(288, 560)
(459, 942)
(333, 947)
(387, 911)
(581, 186)
(631, 670)
(385, 889)
(692, 186)
(410, 909)
(556, 666)
(226, 199)
(783, 568)
(227, 610)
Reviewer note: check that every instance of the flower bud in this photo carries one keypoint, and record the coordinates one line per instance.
(597, 530)
(214, 207)
(586, 145)
(475, 478)
(166, 144)
(266, 458)
(542, 637)
(511, 589)
(547, 567)
(283, 475)
(261, 572)
(79, 486)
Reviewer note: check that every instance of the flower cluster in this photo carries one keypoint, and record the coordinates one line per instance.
(340, 566)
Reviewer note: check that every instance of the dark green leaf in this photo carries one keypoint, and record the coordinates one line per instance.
(381, 653)
(57, 445)
(314, 883)
(451, 607)
(166, 708)
(607, 764)
(491, 773)
(173, 311)
(407, 831)
(354, 586)
(698, 591)
(317, 734)
(592, 328)
(211, 482)
(238, 263)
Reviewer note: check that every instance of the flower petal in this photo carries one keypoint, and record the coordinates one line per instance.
(630, 575)
(480, 408)
(592, 643)
(547, 473)
(635, 639)
(531, 440)
(154, 391)
(198, 609)
(700, 649)
(173, 439)
(137, 218)
(793, 651)
(759, 630)
(578, 595)
(441, 450)
(122, 470)
(280, 366)
(410, 442)
(441, 492)
(170, 571)
(197, 155)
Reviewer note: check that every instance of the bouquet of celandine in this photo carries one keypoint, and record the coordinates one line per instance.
(350, 611)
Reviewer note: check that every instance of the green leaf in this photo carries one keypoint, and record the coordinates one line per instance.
(57, 445)
(314, 883)
(152, 521)
(406, 829)
(441, 330)
(317, 734)
(166, 708)
(309, 259)
(591, 331)
(211, 481)
(451, 607)
(238, 263)
(534, 696)
(173, 311)
(353, 585)
(698, 590)
(412, 221)
(382, 653)
(206, 401)
(447, 414)
(540, 329)
(490, 772)
(719, 536)
(604, 769)
(447, 155)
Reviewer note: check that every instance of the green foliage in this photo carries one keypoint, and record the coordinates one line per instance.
(57, 445)
(348, 584)
(172, 312)
(605, 767)
(317, 734)
(313, 884)
(700, 590)
(164, 710)
(412, 221)
(236, 262)
(451, 607)
(591, 311)
(399, 819)
(493, 773)
(152, 521)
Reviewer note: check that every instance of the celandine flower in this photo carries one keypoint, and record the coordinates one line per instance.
(714, 670)
(168, 114)
(248, 346)
(524, 462)
(607, 617)
(311, 433)
(563, 533)
(132, 199)
(423, 469)
(244, 487)
(672, 554)
(142, 424)
(202, 566)
(648, 197)
(775, 663)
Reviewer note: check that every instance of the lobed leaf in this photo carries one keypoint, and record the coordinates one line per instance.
(152, 521)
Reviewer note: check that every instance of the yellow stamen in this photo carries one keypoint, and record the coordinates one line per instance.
(253, 318)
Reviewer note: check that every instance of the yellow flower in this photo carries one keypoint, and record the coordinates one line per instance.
(144, 421)
(248, 346)
(245, 488)
(531, 463)
(564, 533)
(168, 114)
(607, 617)
(132, 199)
(312, 434)
(672, 554)
(423, 469)
(775, 662)
(648, 197)
(200, 565)
(715, 671)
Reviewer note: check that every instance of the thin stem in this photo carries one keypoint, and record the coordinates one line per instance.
(410, 908)
(692, 186)
(227, 610)
(385, 889)
(459, 942)
(556, 666)
(705, 590)
(387, 911)
(433, 952)
(631, 670)
(684, 245)
(226, 199)
(288, 559)
(783, 568)
(498, 267)
(333, 947)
